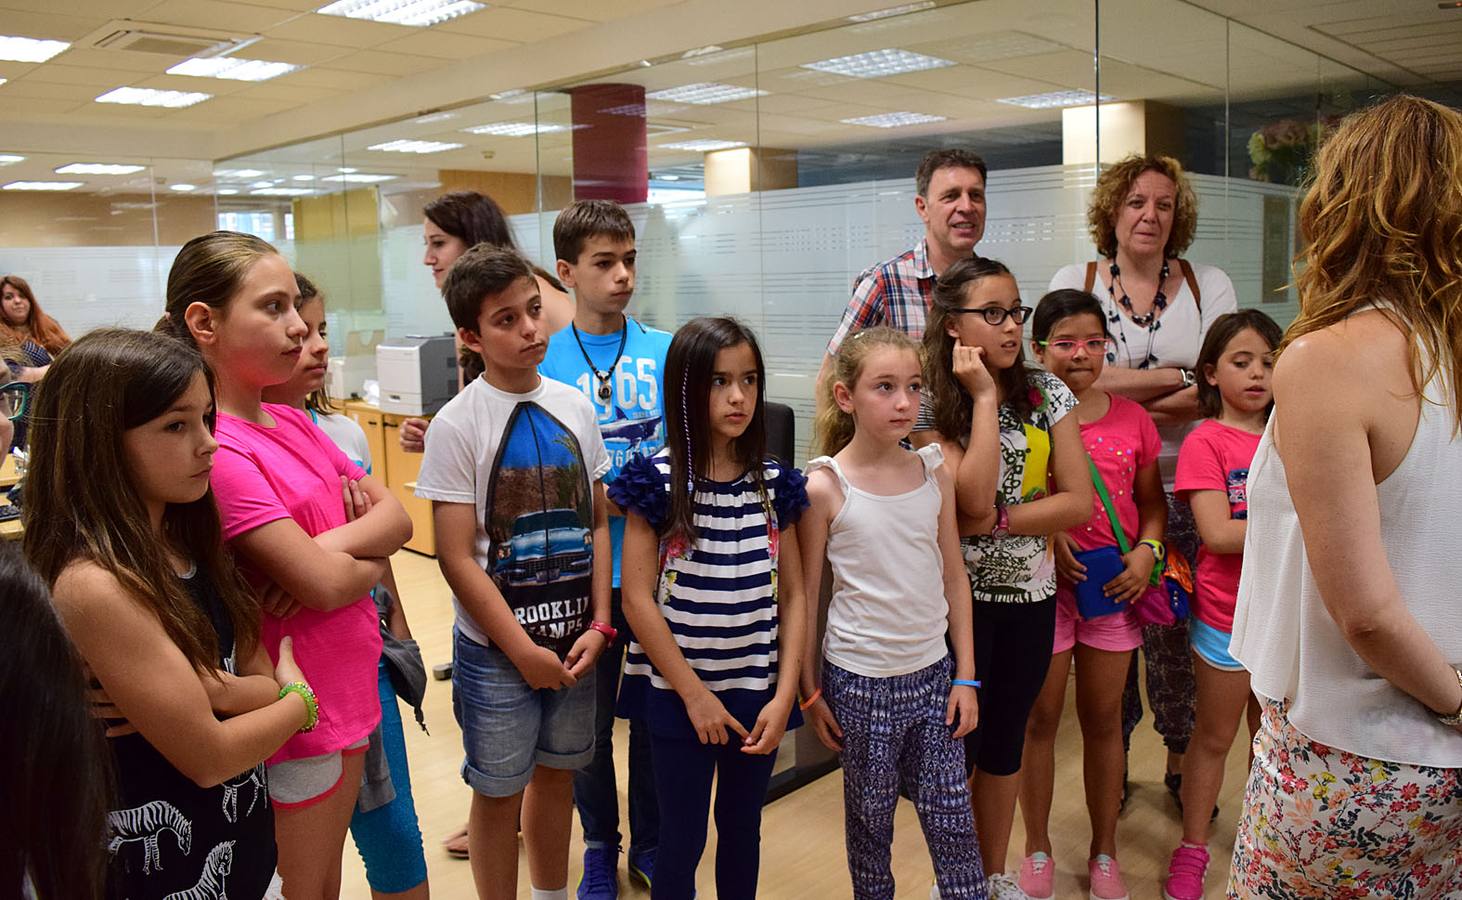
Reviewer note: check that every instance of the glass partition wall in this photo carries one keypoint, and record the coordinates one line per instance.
(762, 177)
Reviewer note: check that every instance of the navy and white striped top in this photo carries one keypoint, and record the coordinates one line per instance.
(720, 598)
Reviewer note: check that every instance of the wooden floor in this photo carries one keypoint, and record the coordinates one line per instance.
(802, 833)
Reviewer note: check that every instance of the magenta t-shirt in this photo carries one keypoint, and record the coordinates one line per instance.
(1120, 442)
(261, 475)
(1216, 457)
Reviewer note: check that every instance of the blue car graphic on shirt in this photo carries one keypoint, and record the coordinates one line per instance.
(545, 547)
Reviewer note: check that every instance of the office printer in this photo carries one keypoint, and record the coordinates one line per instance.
(417, 373)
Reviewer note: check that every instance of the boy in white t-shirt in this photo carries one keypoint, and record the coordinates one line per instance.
(513, 470)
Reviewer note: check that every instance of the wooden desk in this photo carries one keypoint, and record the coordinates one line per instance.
(8, 474)
(397, 468)
(10, 529)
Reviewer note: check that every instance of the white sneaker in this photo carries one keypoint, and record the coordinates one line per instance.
(1004, 887)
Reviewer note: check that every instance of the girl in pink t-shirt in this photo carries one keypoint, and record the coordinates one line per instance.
(1234, 367)
(281, 487)
(1070, 339)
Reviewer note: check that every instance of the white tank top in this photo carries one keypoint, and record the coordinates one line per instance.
(888, 614)
(1290, 644)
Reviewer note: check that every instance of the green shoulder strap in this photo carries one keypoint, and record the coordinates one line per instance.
(1101, 489)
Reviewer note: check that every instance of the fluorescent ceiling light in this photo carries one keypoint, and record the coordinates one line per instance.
(420, 13)
(228, 192)
(516, 129)
(704, 145)
(281, 192)
(434, 117)
(24, 49)
(893, 120)
(150, 97)
(42, 185)
(1055, 99)
(516, 95)
(360, 178)
(232, 68)
(878, 63)
(262, 184)
(346, 169)
(704, 93)
(182, 188)
(98, 169)
(237, 173)
(892, 11)
(8, 159)
(702, 51)
(304, 178)
(414, 146)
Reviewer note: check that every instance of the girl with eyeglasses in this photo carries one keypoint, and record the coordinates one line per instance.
(1020, 476)
(1096, 627)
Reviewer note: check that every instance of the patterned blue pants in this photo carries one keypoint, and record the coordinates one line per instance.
(893, 730)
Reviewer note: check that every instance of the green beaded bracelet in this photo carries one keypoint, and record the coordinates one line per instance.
(312, 706)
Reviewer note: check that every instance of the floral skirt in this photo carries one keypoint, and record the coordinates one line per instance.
(1323, 823)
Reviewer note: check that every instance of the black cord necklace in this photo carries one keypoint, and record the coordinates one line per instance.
(606, 389)
(1159, 301)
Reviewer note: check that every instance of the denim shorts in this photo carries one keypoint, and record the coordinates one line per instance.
(509, 727)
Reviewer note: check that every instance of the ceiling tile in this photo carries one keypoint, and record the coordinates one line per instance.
(600, 12)
(46, 25)
(105, 79)
(41, 90)
(98, 9)
(115, 60)
(298, 53)
(508, 24)
(378, 63)
(29, 108)
(444, 45)
(289, 88)
(340, 79)
(339, 31)
(218, 87)
(217, 15)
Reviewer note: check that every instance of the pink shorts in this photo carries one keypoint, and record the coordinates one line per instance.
(1116, 633)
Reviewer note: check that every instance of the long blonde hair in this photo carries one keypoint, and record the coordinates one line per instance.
(1382, 222)
(834, 428)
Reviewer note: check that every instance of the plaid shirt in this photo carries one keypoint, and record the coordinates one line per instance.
(896, 293)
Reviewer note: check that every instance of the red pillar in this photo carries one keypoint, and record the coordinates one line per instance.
(610, 159)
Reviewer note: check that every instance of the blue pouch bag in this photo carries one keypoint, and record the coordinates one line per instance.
(1102, 565)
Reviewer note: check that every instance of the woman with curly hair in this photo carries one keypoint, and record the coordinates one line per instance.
(1347, 611)
(1158, 306)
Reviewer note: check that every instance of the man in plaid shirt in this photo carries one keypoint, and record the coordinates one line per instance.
(950, 198)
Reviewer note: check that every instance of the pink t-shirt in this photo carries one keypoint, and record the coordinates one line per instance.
(261, 475)
(1216, 457)
(1120, 442)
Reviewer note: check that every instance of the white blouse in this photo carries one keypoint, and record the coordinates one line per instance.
(1290, 644)
(1175, 339)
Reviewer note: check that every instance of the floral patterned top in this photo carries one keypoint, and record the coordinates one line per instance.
(1018, 568)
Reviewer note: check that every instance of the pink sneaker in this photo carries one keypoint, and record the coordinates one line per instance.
(1185, 873)
(1106, 879)
(1038, 877)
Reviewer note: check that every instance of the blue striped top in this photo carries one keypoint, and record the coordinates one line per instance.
(720, 598)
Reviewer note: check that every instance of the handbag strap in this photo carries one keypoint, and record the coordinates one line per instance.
(1106, 498)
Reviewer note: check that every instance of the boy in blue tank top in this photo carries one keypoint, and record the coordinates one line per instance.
(617, 363)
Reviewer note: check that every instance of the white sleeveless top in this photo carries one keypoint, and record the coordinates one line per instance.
(888, 613)
(1292, 647)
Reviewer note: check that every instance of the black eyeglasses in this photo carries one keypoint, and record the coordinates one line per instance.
(994, 315)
